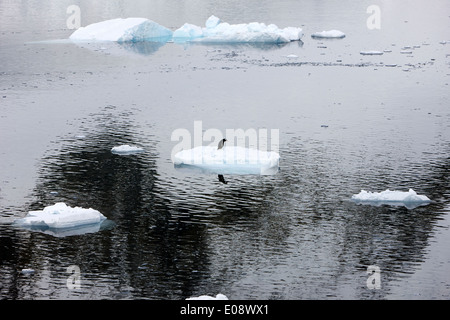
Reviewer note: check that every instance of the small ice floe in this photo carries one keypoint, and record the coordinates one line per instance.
(408, 199)
(336, 34)
(229, 160)
(60, 216)
(206, 297)
(27, 271)
(371, 53)
(291, 56)
(126, 149)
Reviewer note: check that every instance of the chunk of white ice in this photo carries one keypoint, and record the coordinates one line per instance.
(126, 149)
(409, 199)
(371, 53)
(223, 32)
(229, 160)
(329, 34)
(206, 297)
(122, 30)
(60, 215)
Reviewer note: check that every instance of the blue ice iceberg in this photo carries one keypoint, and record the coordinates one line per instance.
(229, 160)
(141, 29)
(408, 199)
(216, 31)
(123, 30)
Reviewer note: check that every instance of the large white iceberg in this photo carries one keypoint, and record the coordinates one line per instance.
(61, 216)
(229, 160)
(122, 30)
(329, 34)
(409, 199)
(223, 32)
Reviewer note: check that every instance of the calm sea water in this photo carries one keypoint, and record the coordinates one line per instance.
(346, 122)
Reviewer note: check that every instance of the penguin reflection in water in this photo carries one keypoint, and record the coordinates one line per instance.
(220, 146)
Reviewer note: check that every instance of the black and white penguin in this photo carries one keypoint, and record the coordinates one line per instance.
(220, 146)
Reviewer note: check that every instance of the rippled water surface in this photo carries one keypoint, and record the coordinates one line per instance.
(346, 122)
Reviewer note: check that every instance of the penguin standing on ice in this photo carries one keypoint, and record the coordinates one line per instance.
(220, 146)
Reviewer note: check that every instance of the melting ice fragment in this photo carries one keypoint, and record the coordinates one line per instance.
(59, 216)
(329, 34)
(126, 149)
(229, 160)
(206, 297)
(371, 53)
(409, 199)
(223, 32)
(123, 30)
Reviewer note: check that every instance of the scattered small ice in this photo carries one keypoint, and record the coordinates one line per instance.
(126, 149)
(391, 197)
(406, 52)
(122, 30)
(291, 56)
(229, 160)
(60, 215)
(390, 65)
(371, 52)
(206, 297)
(329, 34)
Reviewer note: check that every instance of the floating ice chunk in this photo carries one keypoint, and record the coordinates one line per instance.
(229, 160)
(188, 31)
(212, 22)
(61, 216)
(126, 149)
(223, 32)
(122, 30)
(28, 271)
(206, 297)
(329, 34)
(391, 197)
(291, 56)
(371, 52)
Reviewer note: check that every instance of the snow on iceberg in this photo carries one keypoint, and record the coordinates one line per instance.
(126, 149)
(61, 216)
(329, 34)
(409, 199)
(123, 30)
(229, 160)
(223, 32)
(206, 297)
